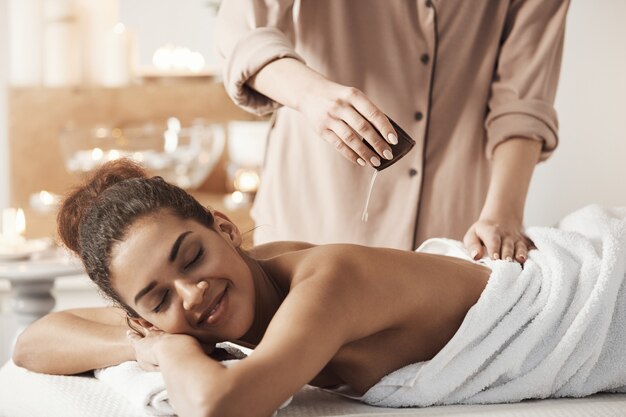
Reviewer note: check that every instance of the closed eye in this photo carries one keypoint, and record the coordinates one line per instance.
(195, 259)
(163, 303)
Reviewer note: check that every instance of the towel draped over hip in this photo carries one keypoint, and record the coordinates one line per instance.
(554, 328)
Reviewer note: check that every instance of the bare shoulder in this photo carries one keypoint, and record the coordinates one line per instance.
(341, 262)
(272, 249)
(105, 315)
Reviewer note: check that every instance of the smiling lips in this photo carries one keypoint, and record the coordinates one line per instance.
(215, 310)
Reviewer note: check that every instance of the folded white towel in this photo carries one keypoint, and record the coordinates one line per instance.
(146, 390)
(554, 328)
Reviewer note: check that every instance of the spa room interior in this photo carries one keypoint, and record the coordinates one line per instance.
(83, 82)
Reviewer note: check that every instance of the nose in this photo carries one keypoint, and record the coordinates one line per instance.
(192, 293)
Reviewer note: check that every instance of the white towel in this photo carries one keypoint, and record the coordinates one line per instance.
(555, 328)
(146, 390)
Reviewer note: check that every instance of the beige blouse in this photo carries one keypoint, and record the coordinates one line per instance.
(459, 76)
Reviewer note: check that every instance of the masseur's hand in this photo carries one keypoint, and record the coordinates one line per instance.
(501, 237)
(499, 228)
(344, 117)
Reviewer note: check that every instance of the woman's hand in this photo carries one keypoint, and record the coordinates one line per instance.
(149, 345)
(501, 236)
(345, 117)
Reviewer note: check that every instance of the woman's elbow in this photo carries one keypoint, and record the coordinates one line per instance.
(24, 352)
(30, 350)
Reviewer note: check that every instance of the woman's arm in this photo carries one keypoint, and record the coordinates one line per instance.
(74, 341)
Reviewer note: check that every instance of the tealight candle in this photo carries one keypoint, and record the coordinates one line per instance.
(246, 180)
(44, 202)
(236, 200)
(13, 226)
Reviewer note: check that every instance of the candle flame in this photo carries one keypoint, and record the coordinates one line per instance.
(96, 154)
(46, 197)
(237, 196)
(20, 222)
(113, 154)
(246, 180)
(119, 28)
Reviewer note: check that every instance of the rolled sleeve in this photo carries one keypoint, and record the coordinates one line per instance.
(530, 119)
(254, 51)
(526, 76)
(249, 35)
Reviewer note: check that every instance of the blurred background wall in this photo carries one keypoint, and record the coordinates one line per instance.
(4, 69)
(589, 165)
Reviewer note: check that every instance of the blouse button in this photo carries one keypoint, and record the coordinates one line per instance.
(412, 172)
(418, 115)
(425, 58)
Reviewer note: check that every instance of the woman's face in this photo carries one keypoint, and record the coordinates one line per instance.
(183, 277)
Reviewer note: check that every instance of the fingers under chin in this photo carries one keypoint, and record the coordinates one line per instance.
(148, 367)
(133, 335)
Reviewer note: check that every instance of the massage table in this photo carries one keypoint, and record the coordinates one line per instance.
(28, 394)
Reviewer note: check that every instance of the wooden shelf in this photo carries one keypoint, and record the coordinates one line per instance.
(37, 116)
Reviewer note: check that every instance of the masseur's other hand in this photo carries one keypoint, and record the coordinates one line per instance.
(344, 117)
(500, 236)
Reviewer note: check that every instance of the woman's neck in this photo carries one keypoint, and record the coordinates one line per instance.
(269, 295)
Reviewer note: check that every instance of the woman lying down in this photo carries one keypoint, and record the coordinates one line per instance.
(398, 328)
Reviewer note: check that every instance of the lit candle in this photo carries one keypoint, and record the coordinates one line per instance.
(236, 200)
(246, 180)
(20, 222)
(44, 202)
(170, 58)
(237, 197)
(113, 154)
(13, 245)
(171, 135)
(13, 227)
(96, 154)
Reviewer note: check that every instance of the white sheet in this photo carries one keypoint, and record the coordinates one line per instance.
(27, 394)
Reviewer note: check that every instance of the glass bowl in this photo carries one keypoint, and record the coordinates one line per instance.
(184, 156)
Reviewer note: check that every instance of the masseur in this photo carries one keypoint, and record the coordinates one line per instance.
(472, 82)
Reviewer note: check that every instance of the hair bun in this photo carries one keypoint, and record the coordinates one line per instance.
(81, 198)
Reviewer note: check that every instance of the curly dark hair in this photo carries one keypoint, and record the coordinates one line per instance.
(99, 213)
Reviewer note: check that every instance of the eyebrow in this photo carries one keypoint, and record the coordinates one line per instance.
(173, 253)
(177, 244)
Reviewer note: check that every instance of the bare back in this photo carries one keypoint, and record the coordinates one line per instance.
(407, 303)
